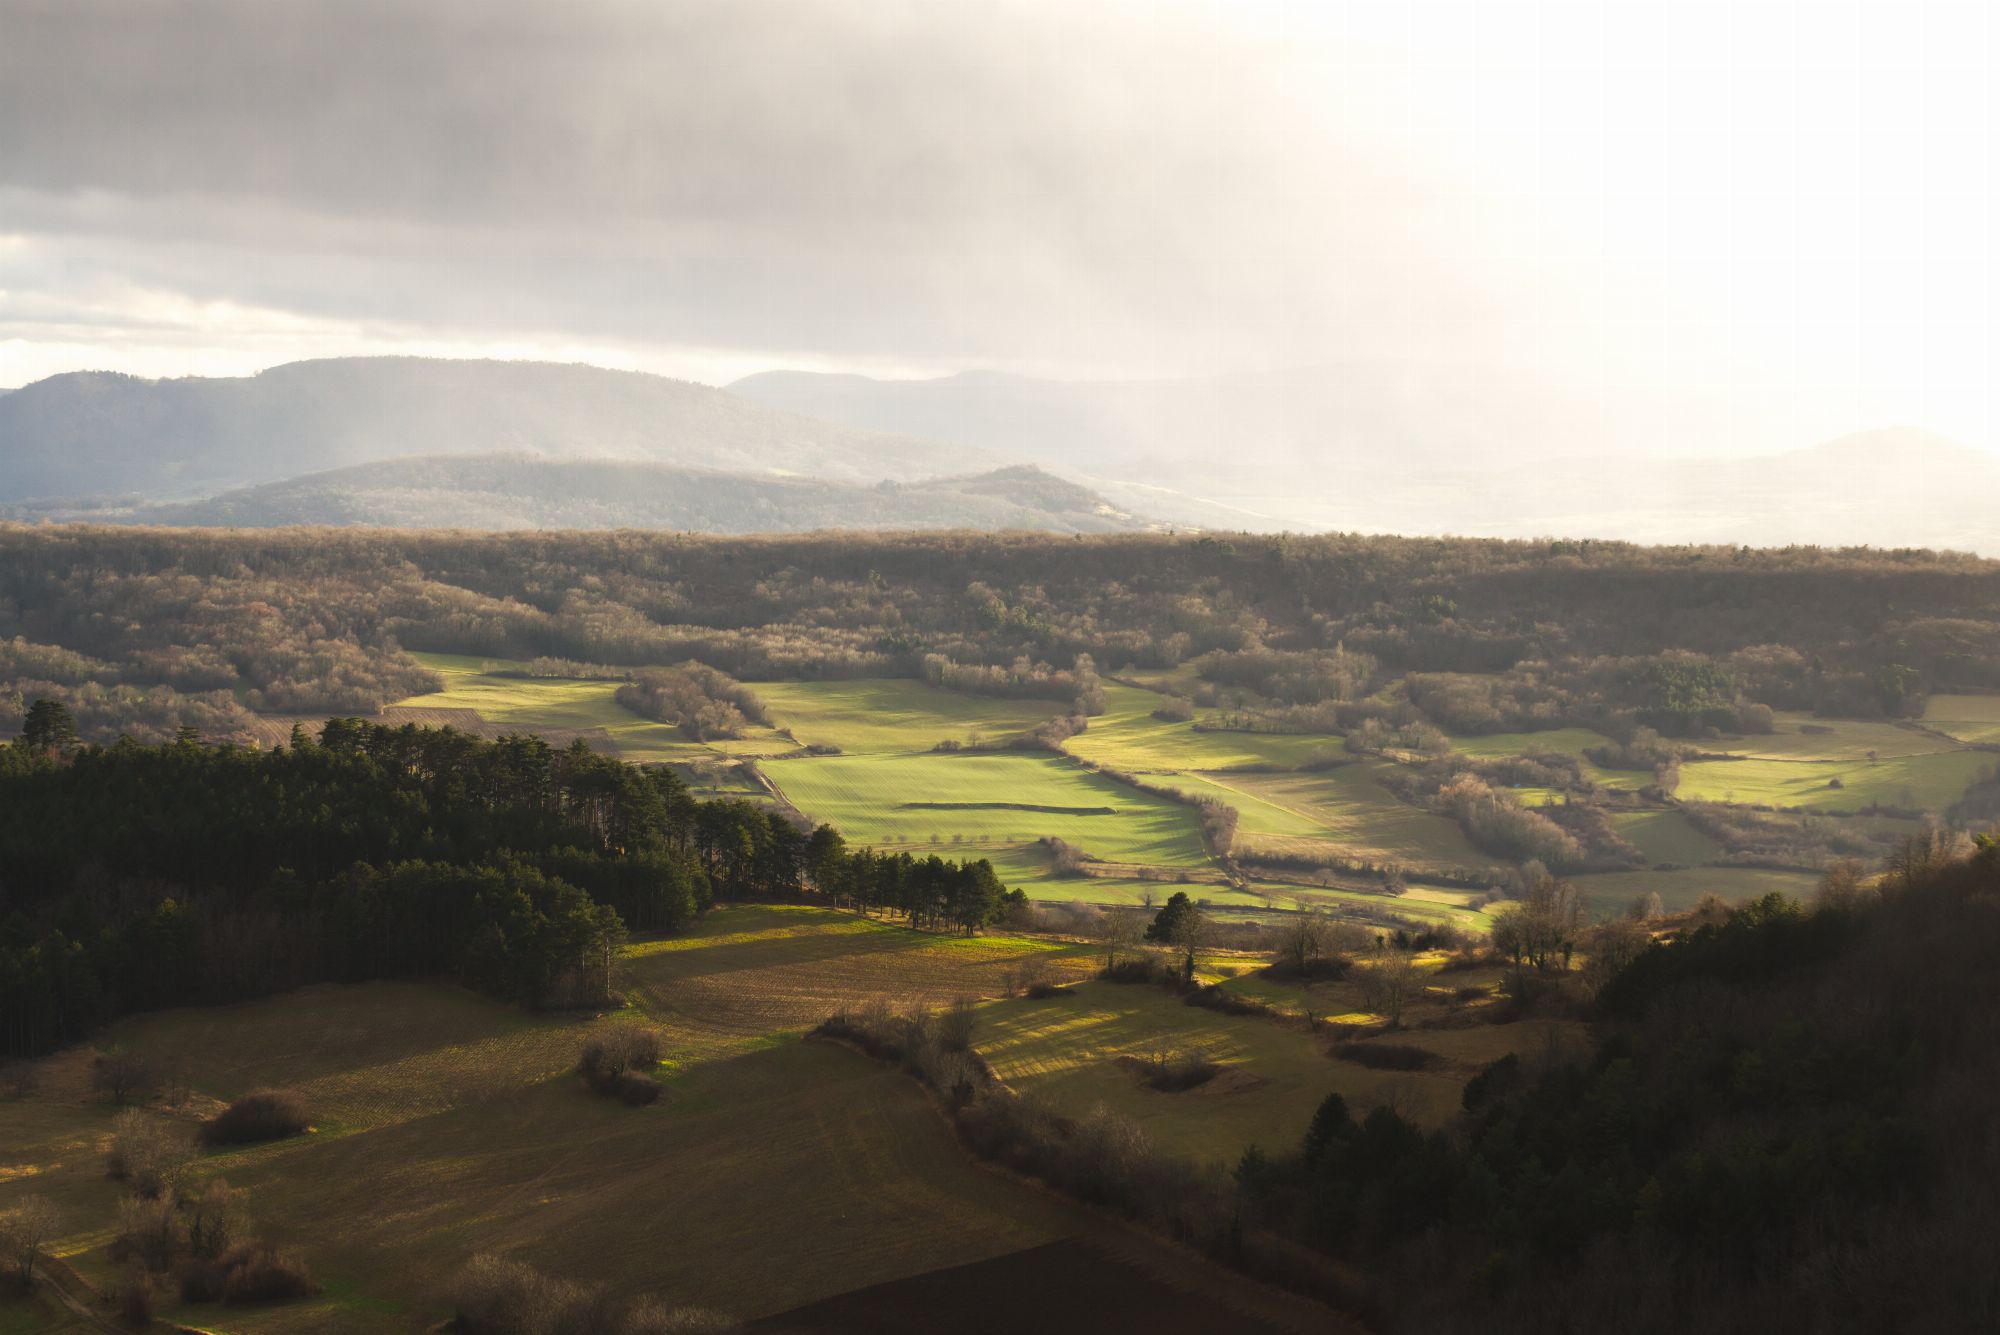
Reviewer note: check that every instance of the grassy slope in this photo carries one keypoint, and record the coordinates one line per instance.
(449, 1125)
(1348, 804)
(532, 704)
(1970, 718)
(1613, 892)
(1127, 737)
(868, 798)
(1572, 742)
(1666, 836)
(1924, 782)
(887, 716)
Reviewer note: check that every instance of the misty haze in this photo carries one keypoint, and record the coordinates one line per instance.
(1050, 665)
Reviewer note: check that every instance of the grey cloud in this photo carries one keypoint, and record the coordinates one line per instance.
(931, 180)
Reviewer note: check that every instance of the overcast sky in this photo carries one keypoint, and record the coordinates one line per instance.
(1777, 219)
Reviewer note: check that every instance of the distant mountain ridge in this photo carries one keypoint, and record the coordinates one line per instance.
(96, 433)
(1336, 449)
(522, 492)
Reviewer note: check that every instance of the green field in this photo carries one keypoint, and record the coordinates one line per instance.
(1127, 737)
(1611, 893)
(1572, 742)
(562, 705)
(886, 716)
(1804, 737)
(1918, 782)
(1970, 718)
(1356, 818)
(989, 799)
(1666, 836)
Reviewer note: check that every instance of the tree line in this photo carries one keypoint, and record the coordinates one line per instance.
(135, 877)
(143, 631)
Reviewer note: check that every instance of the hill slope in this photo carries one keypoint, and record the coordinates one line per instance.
(517, 492)
(95, 433)
(1397, 452)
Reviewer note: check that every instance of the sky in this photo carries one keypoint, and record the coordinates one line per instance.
(1770, 223)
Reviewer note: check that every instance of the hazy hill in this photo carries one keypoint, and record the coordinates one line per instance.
(96, 433)
(516, 491)
(1399, 453)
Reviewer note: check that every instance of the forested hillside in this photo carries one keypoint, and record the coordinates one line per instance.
(148, 630)
(133, 877)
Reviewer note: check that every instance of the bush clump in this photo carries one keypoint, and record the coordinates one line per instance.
(615, 1062)
(1386, 1056)
(262, 1114)
(1176, 1072)
(147, 1152)
(496, 1296)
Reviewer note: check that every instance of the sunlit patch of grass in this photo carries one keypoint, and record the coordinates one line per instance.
(876, 800)
(895, 715)
(1969, 718)
(1929, 782)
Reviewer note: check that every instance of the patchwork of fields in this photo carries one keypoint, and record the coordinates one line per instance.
(862, 755)
(447, 1125)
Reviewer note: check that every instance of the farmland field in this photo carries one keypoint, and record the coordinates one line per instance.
(1127, 737)
(447, 1125)
(1064, 1050)
(886, 716)
(1803, 737)
(1929, 782)
(1666, 836)
(543, 704)
(989, 799)
(1359, 819)
(1572, 742)
(1610, 893)
(1970, 718)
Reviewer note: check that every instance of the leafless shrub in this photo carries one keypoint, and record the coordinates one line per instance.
(263, 1114)
(956, 1025)
(148, 1152)
(258, 1272)
(123, 1075)
(25, 1229)
(616, 1060)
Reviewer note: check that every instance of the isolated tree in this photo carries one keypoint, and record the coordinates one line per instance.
(1304, 939)
(1390, 985)
(1540, 931)
(124, 1075)
(48, 727)
(25, 1231)
(1181, 924)
(1120, 932)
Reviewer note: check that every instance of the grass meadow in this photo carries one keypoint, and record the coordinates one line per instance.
(447, 1124)
(989, 799)
(1969, 718)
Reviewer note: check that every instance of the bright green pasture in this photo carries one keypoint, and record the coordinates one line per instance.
(1611, 893)
(1127, 737)
(535, 704)
(1349, 808)
(1572, 742)
(1420, 905)
(890, 715)
(1666, 836)
(1064, 1050)
(876, 800)
(1254, 814)
(1922, 782)
(1804, 737)
(1970, 718)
